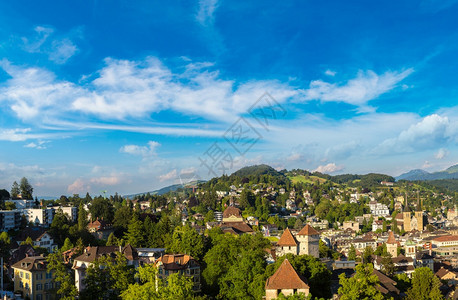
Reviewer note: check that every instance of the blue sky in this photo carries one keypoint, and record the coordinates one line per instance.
(130, 96)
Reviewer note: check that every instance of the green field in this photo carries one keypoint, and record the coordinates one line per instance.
(306, 179)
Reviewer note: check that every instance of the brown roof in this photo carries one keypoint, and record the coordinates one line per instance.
(446, 238)
(391, 238)
(176, 261)
(386, 283)
(32, 263)
(286, 278)
(308, 230)
(93, 253)
(287, 239)
(442, 272)
(232, 211)
(238, 227)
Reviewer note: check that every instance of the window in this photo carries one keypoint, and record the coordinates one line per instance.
(39, 276)
(39, 287)
(39, 297)
(46, 286)
(48, 275)
(27, 276)
(21, 274)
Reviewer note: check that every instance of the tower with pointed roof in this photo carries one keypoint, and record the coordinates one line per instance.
(392, 245)
(308, 239)
(286, 281)
(287, 244)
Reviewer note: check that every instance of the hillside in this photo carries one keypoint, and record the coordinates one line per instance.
(418, 174)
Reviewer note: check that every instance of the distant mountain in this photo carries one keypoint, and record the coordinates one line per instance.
(413, 175)
(449, 173)
(165, 190)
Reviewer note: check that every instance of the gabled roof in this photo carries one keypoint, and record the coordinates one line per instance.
(308, 230)
(287, 239)
(391, 238)
(32, 263)
(286, 278)
(232, 211)
(176, 261)
(386, 283)
(446, 238)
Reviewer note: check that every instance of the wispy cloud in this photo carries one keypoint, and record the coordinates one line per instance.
(58, 49)
(358, 91)
(38, 145)
(168, 176)
(206, 10)
(441, 153)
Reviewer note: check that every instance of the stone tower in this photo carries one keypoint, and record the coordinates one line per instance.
(406, 216)
(419, 214)
(392, 245)
(308, 239)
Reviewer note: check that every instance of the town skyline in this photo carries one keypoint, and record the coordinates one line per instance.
(129, 97)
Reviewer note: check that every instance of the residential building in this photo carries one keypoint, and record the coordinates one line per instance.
(451, 277)
(233, 222)
(32, 279)
(286, 281)
(82, 262)
(100, 229)
(10, 219)
(445, 241)
(378, 209)
(71, 212)
(22, 203)
(39, 216)
(179, 263)
(351, 225)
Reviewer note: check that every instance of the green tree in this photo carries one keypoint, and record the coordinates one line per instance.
(387, 265)
(352, 253)
(298, 224)
(62, 276)
(367, 254)
(107, 278)
(122, 217)
(67, 245)
(175, 287)
(425, 285)
(82, 218)
(134, 235)
(26, 189)
(324, 250)
(363, 285)
(186, 239)
(4, 244)
(101, 208)
(15, 191)
(112, 240)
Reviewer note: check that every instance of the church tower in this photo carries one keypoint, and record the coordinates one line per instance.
(406, 216)
(392, 245)
(419, 214)
(410, 249)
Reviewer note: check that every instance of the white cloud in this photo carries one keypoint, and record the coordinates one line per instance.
(144, 151)
(358, 91)
(330, 73)
(78, 187)
(206, 10)
(170, 175)
(441, 153)
(62, 51)
(430, 132)
(329, 168)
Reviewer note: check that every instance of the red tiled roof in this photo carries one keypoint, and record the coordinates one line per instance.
(287, 239)
(391, 238)
(308, 230)
(286, 278)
